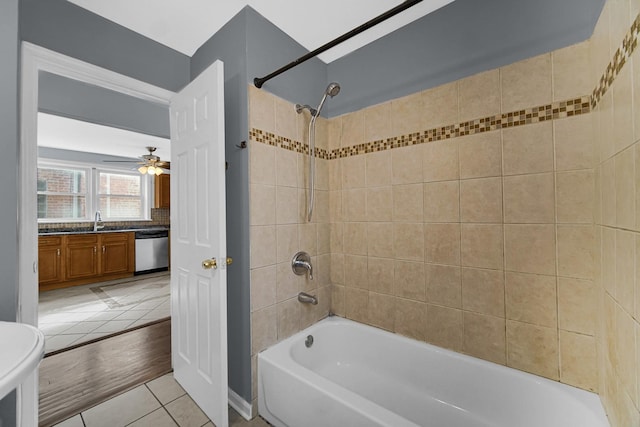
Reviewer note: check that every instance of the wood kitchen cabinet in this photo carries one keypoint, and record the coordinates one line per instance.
(50, 260)
(77, 259)
(162, 191)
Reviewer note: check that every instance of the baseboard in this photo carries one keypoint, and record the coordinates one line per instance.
(241, 406)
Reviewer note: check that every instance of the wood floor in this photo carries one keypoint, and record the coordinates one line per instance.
(74, 380)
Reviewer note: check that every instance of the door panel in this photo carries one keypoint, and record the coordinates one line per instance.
(199, 295)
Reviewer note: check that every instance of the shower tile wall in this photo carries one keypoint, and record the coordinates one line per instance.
(617, 128)
(278, 206)
(481, 243)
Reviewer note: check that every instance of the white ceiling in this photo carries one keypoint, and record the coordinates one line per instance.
(68, 134)
(185, 25)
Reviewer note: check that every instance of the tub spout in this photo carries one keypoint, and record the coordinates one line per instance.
(301, 263)
(307, 299)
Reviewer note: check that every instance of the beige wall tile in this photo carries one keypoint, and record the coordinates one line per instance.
(407, 164)
(353, 172)
(484, 337)
(380, 204)
(262, 204)
(574, 142)
(625, 189)
(444, 327)
(531, 298)
(286, 119)
(409, 280)
(443, 285)
(533, 349)
(618, 21)
(530, 248)
(637, 180)
(334, 133)
(625, 259)
(623, 126)
(324, 238)
(336, 213)
(352, 129)
(440, 105)
(411, 318)
(578, 364)
(380, 239)
(355, 272)
(481, 155)
(483, 291)
(577, 305)
(479, 95)
(574, 197)
(379, 169)
(442, 243)
(286, 205)
(440, 161)
(288, 313)
(575, 251)
(338, 300)
(355, 238)
(335, 174)
(382, 310)
(528, 149)
(354, 203)
(609, 259)
(605, 126)
(286, 168)
(261, 110)
(357, 304)
(529, 198)
(407, 114)
(481, 200)
(263, 245)
(287, 283)
(264, 329)
(408, 241)
(442, 201)
(526, 83)
(636, 91)
(571, 73)
(263, 287)
(380, 275)
(286, 242)
(608, 192)
(626, 348)
(408, 203)
(308, 238)
(337, 269)
(600, 55)
(262, 162)
(377, 122)
(482, 245)
(637, 277)
(337, 236)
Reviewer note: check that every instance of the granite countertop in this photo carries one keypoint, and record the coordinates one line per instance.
(88, 230)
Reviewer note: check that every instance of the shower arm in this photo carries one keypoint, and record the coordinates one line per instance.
(259, 81)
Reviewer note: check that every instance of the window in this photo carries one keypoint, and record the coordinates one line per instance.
(69, 191)
(120, 195)
(62, 193)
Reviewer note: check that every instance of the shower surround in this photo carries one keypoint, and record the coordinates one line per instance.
(495, 215)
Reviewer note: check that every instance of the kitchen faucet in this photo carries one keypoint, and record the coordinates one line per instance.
(97, 220)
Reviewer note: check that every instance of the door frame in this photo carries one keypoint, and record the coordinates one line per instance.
(35, 59)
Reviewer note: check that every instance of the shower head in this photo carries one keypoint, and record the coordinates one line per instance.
(333, 89)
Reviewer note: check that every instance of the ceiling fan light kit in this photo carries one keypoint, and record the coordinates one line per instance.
(150, 163)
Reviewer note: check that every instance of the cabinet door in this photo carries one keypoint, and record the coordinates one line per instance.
(49, 260)
(117, 253)
(81, 256)
(163, 192)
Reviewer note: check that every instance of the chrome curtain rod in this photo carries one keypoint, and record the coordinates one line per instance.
(259, 81)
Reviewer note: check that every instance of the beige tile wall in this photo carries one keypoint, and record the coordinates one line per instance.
(617, 238)
(481, 243)
(278, 205)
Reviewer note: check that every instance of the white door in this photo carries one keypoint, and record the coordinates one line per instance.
(198, 237)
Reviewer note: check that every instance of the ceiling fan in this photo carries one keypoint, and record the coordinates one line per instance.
(149, 163)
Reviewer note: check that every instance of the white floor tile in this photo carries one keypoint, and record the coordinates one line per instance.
(123, 409)
(186, 412)
(114, 326)
(166, 388)
(71, 422)
(132, 315)
(60, 341)
(158, 418)
(83, 327)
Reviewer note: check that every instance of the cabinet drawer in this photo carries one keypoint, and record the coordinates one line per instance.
(82, 239)
(116, 237)
(49, 240)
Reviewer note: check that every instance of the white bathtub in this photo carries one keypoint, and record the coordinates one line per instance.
(356, 375)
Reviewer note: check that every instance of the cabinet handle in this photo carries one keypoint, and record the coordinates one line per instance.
(58, 251)
(104, 249)
(95, 250)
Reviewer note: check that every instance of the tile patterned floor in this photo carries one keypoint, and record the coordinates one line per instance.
(158, 403)
(81, 313)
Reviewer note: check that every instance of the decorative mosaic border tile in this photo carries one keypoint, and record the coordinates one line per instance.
(620, 57)
(554, 111)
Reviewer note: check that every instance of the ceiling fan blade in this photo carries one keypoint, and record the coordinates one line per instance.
(164, 165)
(121, 161)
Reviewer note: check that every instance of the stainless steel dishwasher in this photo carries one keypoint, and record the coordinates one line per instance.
(152, 251)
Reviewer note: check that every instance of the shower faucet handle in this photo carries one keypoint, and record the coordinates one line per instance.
(301, 263)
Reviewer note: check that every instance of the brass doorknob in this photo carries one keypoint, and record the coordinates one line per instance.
(229, 260)
(208, 264)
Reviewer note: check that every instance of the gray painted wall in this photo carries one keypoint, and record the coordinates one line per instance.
(77, 100)
(229, 45)
(458, 40)
(9, 125)
(66, 28)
